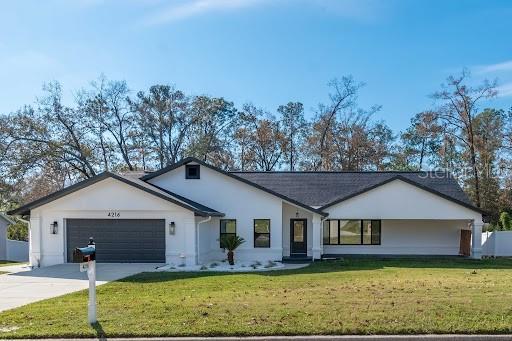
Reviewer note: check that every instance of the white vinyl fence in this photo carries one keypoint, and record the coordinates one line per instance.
(497, 243)
(16, 250)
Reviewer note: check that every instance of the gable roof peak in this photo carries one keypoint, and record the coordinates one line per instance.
(233, 176)
(193, 206)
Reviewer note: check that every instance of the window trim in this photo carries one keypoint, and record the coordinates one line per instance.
(224, 233)
(198, 176)
(255, 233)
(337, 228)
(361, 232)
(380, 231)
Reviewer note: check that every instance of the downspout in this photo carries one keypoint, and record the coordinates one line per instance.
(322, 234)
(197, 237)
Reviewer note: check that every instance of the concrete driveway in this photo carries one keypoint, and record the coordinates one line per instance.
(22, 285)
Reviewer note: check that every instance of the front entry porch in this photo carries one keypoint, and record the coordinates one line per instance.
(298, 242)
(302, 234)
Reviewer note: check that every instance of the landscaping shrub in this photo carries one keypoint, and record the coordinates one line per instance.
(18, 231)
(506, 221)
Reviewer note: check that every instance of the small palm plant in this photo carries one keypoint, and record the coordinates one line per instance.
(231, 243)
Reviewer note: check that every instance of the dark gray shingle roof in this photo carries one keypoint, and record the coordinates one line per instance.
(187, 160)
(319, 189)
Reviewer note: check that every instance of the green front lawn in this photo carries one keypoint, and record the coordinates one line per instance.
(342, 297)
(6, 263)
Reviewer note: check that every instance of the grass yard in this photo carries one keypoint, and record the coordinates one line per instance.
(337, 297)
(5, 263)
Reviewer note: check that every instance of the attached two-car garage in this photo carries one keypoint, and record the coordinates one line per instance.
(119, 240)
(131, 221)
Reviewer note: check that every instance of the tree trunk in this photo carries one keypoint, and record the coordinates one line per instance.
(422, 154)
(475, 174)
(231, 258)
(473, 161)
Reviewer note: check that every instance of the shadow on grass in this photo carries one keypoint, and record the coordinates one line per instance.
(100, 333)
(333, 266)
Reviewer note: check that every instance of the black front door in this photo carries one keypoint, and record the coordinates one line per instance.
(298, 236)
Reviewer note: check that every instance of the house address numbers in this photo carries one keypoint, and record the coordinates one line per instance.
(113, 214)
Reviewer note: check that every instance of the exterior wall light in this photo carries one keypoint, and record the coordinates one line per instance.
(172, 228)
(54, 228)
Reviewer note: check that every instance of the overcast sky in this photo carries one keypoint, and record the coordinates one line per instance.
(267, 52)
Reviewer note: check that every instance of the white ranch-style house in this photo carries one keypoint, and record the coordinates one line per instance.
(177, 215)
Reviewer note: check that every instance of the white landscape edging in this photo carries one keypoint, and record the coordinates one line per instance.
(224, 267)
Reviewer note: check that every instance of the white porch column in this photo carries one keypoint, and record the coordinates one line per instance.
(34, 229)
(476, 239)
(189, 246)
(317, 236)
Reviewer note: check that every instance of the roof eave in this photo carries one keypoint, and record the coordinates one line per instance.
(210, 214)
(25, 209)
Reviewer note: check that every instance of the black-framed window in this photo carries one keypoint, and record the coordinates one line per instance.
(227, 228)
(333, 232)
(352, 232)
(261, 232)
(192, 172)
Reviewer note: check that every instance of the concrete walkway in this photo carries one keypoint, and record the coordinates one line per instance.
(23, 285)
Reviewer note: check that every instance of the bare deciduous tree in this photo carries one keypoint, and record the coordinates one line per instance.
(294, 127)
(269, 143)
(213, 128)
(458, 106)
(423, 138)
(163, 117)
(115, 116)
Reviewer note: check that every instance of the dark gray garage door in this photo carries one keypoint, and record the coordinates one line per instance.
(120, 240)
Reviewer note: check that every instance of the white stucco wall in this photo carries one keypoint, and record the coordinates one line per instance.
(95, 202)
(410, 237)
(208, 244)
(236, 200)
(414, 221)
(400, 200)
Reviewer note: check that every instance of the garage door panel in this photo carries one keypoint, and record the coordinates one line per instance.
(121, 240)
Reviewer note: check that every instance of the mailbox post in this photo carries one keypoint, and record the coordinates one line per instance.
(87, 257)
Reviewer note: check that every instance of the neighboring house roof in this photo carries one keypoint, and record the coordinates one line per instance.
(324, 189)
(6, 218)
(236, 177)
(197, 208)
